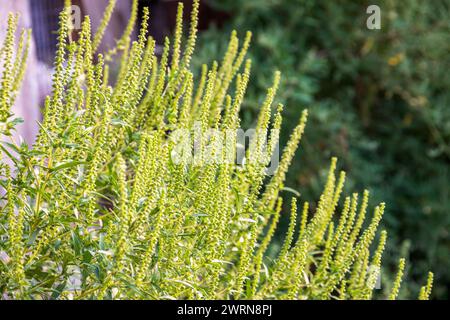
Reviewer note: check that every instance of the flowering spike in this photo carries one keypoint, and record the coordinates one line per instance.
(398, 280)
(103, 24)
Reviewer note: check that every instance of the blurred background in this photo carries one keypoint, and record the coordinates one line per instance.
(379, 100)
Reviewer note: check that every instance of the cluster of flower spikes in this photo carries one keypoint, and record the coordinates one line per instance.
(98, 209)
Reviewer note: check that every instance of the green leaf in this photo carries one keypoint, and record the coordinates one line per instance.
(66, 165)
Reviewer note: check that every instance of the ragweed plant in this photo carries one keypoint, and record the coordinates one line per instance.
(109, 203)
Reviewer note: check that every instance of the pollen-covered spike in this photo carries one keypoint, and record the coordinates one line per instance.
(232, 122)
(103, 24)
(124, 41)
(398, 280)
(240, 58)
(199, 91)
(277, 181)
(177, 38)
(7, 75)
(190, 46)
(425, 291)
(21, 62)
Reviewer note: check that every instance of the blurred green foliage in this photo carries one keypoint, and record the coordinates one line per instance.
(378, 99)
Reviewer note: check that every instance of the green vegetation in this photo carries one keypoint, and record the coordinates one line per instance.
(99, 209)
